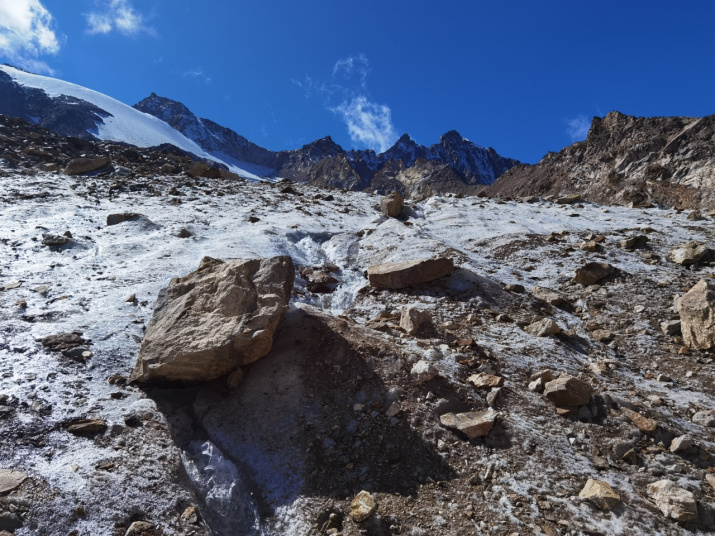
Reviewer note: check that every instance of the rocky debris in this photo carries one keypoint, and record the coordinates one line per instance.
(391, 205)
(86, 427)
(689, 253)
(552, 297)
(670, 327)
(675, 502)
(362, 506)
(681, 444)
(644, 424)
(142, 528)
(472, 424)
(543, 328)
(11, 479)
(600, 493)
(697, 315)
(705, 418)
(485, 380)
(49, 239)
(413, 319)
(116, 219)
(635, 242)
(592, 273)
(214, 320)
(64, 341)
(405, 274)
(423, 371)
(80, 166)
(567, 391)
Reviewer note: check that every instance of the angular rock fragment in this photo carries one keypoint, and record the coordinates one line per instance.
(49, 239)
(486, 380)
(568, 391)
(412, 319)
(115, 219)
(670, 327)
(674, 501)
(422, 372)
(214, 320)
(404, 274)
(635, 242)
(362, 506)
(600, 493)
(697, 316)
(550, 296)
(472, 424)
(680, 444)
(592, 273)
(644, 424)
(63, 341)
(87, 427)
(392, 204)
(543, 328)
(689, 253)
(10, 479)
(79, 166)
(705, 418)
(141, 528)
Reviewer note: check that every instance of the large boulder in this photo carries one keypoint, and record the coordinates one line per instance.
(674, 501)
(391, 205)
(404, 274)
(79, 166)
(689, 253)
(697, 315)
(214, 320)
(592, 272)
(568, 391)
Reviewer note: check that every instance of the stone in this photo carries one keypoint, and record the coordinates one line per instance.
(87, 427)
(391, 205)
(710, 479)
(568, 391)
(635, 242)
(689, 253)
(568, 199)
(10, 480)
(486, 380)
(14, 284)
(63, 341)
(191, 515)
(543, 328)
(704, 418)
(695, 215)
(590, 246)
(644, 424)
(115, 219)
(214, 320)
(675, 502)
(472, 424)
(600, 493)
(235, 378)
(422, 372)
(592, 273)
(547, 375)
(550, 296)
(670, 327)
(537, 385)
(697, 316)
(49, 239)
(681, 444)
(405, 274)
(185, 233)
(492, 396)
(79, 166)
(141, 528)
(413, 319)
(602, 335)
(199, 169)
(362, 506)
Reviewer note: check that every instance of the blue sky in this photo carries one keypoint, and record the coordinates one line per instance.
(523, 77)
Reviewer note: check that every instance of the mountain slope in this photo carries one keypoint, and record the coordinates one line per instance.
(71, 109)
(626, 159)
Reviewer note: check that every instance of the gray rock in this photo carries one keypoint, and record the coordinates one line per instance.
(593, 272)
(680, 444)
(405, 274)
(412, 319)
(568, 391)
(670, 327)
(79, 166)
(214, 320)
(472, 424)
(697, 316)
(422, 372)
(115, 219)
(675, 502)
(689, 253)
(10, 479)
(543, 327)
(550, 296)
(705, 418)
(391, 205)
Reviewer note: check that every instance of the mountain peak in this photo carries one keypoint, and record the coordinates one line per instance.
(452, 136)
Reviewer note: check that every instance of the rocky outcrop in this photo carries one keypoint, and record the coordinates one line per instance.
(626, 159)
(214, 320)
(697, 316)
(405, 274)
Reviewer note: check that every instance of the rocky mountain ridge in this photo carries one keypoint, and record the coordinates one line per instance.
(625, 159)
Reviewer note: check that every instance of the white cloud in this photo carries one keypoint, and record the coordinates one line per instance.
(351, 66)
(117, 15)
(198, 74)
(577, 128)
(26, 33)
(368, 123)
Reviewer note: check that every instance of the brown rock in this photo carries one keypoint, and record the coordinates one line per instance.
(472, 424)
(391, 205)
(115, 219)
(78, 166)
(697, 316)
(362, 506)
(675, 502)
(412, 319)
(214, 320)
(405, 274)
(543, 328)
(199, 169)
(689, 253)
(87, 427)
(549, 296)
(568, 391)
(593, 272)
(643, 423)
(635, 242)
(486, 380)
(141, 528)
(602, 335)
(10, 480)
(600, 493)
(63, 341)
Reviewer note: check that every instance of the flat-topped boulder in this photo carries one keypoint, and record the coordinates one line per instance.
(405, 274)
(215, 320)
(79, 166)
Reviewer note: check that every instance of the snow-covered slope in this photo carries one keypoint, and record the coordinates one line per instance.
(124, 124)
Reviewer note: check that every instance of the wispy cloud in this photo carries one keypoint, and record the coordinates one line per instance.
(26, 33)
(346, 94)
(116, 15)
(197, 74)
(577, 127)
